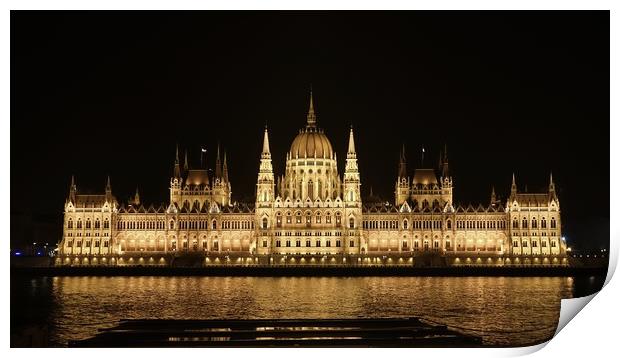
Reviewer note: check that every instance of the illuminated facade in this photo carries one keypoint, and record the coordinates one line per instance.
(312, 215)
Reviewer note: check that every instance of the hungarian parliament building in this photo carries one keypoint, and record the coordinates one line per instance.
(312, 215)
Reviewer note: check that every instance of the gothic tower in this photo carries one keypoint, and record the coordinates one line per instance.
(446, 178)
(352, 198)
(265, 196)
(403, 184)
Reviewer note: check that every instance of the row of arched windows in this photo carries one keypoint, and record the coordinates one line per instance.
(88, 225)
(481, 224)
(140, 225)
(307, 220)
(543, 223)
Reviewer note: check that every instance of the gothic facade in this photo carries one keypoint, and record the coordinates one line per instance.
(312, 214)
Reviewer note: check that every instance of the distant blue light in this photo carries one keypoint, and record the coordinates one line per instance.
(17, 253)
(39, 253)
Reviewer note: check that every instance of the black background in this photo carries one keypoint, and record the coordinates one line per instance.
(98, 93)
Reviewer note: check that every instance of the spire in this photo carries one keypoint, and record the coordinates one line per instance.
(493, 196)
(445, 168)
(108, 186)
(311, 116)
(225, 168)
(513, 188)
(551, 184)
(72, 190)
(218, 163)
(266, 151)
(440, 160)
(402, 167)
(177, 165)
(136, 198)
(551, 178)
(351, 153)
(186, 165)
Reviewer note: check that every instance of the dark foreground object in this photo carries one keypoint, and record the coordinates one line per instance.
(523, 271)
(396, 332)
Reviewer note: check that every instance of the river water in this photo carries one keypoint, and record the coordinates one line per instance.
(504, 311)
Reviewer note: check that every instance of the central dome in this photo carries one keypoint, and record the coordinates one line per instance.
(311, 143)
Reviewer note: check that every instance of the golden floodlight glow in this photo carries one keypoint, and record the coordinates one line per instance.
(313, 202)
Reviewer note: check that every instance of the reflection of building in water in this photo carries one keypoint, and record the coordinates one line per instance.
(312, 214)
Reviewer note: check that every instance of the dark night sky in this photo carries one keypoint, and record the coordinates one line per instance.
(111, 92)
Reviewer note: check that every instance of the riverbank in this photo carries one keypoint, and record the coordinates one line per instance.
(306, 271)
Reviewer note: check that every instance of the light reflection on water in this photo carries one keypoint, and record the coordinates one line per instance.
(505, 311)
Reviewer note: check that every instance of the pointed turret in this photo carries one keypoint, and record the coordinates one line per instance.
(186, 165)
(513, 188)
(177, 165)
(445, 168)
(225, 168)
(351, 154)
(493, 196)
(311, 118)
(218, 163)
(108, 190)
(72, 190)
(135, 201)
(402, 166)
(352, 175)
(551, 185)
(266, 151)
(265, 185)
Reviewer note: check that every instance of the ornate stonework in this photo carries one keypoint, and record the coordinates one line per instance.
(312, 215)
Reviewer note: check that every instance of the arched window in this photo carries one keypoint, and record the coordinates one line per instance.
(534, 224)
(289, 218)
(214, 225)
(79, 224)
(106, 224)
(449, 224)
(88, 225)
(543, 223)
(338, 219)
(70, 224)
(311, 190)
(279, 220)
(553, 223)
(318, 218)
(524, 223)
(265, 223)
(171, 224)
(405, 224)
(515, 224)
(351, 223)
